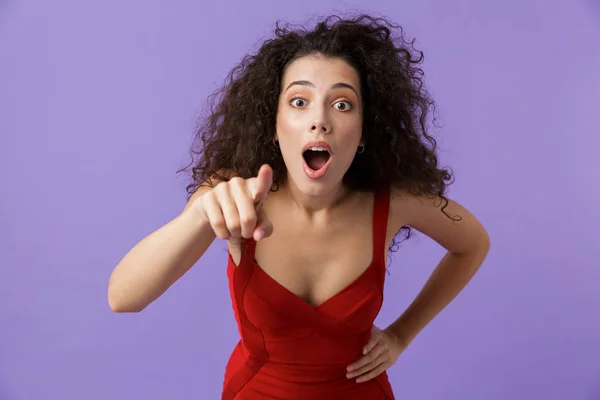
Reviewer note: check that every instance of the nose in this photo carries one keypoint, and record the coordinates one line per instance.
(320, 126)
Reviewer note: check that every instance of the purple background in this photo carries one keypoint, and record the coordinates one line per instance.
(98, 101)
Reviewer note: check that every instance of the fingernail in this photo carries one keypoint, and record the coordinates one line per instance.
(261, 234)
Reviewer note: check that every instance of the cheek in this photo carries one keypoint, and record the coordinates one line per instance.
(288, 123)
(290, 138)
(352, 136)
(288, 135)
(351, 142)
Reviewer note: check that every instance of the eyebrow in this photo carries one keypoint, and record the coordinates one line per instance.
(334, 86)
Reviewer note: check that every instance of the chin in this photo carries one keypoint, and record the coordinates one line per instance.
(314, 187)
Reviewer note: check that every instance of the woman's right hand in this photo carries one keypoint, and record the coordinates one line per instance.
(234, 208)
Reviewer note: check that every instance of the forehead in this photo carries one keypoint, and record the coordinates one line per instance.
(321, 70)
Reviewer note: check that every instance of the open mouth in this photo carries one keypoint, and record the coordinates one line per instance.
(316, 157)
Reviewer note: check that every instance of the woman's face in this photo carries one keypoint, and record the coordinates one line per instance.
(319, 121)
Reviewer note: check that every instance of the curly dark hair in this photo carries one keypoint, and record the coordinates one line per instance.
(237, 133)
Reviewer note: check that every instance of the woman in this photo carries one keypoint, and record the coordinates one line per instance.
(313, 159)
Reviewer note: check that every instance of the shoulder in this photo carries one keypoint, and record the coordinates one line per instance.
(441, 218)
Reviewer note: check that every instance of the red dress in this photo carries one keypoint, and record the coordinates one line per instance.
(290, 349)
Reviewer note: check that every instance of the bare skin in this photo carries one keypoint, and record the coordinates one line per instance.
(314, 235)
(309, 269)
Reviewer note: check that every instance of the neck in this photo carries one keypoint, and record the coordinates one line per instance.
(318, 204)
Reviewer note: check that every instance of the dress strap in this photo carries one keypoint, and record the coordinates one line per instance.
(380, 223)
(248, 247)
(381, 208)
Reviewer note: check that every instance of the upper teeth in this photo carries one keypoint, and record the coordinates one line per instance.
(317, 148)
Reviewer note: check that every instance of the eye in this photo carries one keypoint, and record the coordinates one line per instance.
(297, 102)
(346, 105)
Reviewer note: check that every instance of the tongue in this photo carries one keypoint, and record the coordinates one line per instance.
(316, 159)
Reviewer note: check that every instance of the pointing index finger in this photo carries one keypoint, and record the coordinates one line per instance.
(264, 180)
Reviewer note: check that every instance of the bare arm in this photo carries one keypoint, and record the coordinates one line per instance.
(467, 243)
(231, 209)
(160, 259)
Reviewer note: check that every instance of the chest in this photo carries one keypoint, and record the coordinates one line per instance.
(316, 261)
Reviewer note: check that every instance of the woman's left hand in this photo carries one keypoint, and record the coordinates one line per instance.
(381, 352)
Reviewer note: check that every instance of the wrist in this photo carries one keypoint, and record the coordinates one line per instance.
(192, 217)
(401, 337)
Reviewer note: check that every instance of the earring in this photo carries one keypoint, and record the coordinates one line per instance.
(361, 149)
(276, 143)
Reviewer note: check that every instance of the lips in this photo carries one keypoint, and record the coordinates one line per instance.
(317, 161)
(319, 143)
